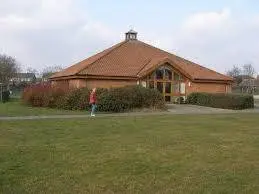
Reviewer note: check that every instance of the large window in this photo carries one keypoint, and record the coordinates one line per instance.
(167, 81)
(177, 77)
(159, 73)
(163, 72)
(168, 87)
(168, 74)
(176, 88)
(160, 86)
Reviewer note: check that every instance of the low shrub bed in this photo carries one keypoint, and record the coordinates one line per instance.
(108, 100)
(225, 101)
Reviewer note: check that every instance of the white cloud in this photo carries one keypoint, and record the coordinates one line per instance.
(219, 40)
(61, 32)
(207, 21)
(49, 32)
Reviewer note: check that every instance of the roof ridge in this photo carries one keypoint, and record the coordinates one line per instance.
(116, 46)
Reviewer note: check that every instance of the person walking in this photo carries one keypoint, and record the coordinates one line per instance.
(92, 102)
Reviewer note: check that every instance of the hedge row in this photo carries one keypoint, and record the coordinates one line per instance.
(225, 101)
(112, 100)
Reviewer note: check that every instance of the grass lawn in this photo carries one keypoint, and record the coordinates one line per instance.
(16, 108)
(150, 154)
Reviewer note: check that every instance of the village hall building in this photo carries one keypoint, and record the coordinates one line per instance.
(133, 62)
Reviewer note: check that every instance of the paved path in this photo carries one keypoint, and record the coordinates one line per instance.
(83, 116)
(193, 109)
(173, 109)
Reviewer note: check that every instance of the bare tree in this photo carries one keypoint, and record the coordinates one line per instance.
(249, 82)
(234, 72)
(8, 68)
(50, 70)
(249, 70)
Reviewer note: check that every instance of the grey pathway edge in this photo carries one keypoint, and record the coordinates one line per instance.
(173, 109)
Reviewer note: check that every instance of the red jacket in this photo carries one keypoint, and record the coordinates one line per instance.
(92, 99)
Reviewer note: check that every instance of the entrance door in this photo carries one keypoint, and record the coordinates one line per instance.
(167, 81)
(165, 88)
(160, 87)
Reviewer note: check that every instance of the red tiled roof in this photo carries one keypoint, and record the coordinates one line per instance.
(134, 58)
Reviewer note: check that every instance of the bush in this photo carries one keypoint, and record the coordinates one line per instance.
(77, 99)
(225, 101)
(5, 96)
(42, 95)
(128, 98)
(112, 100)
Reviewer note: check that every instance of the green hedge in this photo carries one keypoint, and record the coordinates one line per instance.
(225, 101)
(128, 98)
(112, 100)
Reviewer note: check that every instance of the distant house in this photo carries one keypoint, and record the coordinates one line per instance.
(249, 85)
(133, 62)
(46, 76)
(238, 79)
(23, 78)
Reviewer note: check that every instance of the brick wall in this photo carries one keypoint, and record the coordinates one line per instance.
(94, 83)
(208, 87)
(77, 83)
(60, 83)
(109, 83)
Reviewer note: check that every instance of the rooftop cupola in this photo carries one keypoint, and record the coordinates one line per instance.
(131, 35)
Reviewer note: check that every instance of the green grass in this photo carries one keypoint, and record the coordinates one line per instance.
(151, 154)
(16, 108)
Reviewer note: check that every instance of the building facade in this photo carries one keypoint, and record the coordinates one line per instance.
(133, 62)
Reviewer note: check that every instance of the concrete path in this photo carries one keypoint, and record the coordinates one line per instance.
(82, 116)
(193, 109)
(173, 109)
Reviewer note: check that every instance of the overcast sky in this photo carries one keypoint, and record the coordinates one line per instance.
(216, 34)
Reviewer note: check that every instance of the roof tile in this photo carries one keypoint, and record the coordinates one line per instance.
(132, 58)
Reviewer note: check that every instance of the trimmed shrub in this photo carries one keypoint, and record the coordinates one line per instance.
(112, 100)
(74, 100)
(225, 101)
(77, 99)
(128, 98)
(42, 95)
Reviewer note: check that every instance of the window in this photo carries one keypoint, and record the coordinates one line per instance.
(168, 74)
(176, 76)
(182, 89)
(168, 87)
(176, 88)
(160, 86)
(159, 73)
